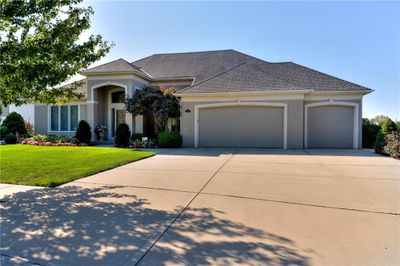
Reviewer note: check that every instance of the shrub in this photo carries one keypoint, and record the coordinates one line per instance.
(83, 133)
(40, 138)
(137, 136)
(15, 124)
(169, 139)
(11, 139)
(379, 142)
(29, 128)
(122, 135)
(392, 146)
(388, 126)
(369, 133)
(3, 132)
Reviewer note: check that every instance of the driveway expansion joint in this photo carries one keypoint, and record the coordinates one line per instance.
(185, 208)
(301, 204)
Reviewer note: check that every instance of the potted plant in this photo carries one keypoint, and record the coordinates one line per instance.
(101, 132)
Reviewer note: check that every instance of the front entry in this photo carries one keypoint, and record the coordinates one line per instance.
(117, 117)
(116, 110)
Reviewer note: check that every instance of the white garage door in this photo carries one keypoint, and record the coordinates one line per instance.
(241, 126)
(330, 127)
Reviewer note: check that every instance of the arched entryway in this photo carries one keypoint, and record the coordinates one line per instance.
(109, 108)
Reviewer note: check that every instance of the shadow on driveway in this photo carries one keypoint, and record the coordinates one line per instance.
(96, 226)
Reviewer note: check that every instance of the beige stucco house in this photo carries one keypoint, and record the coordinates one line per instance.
(227, 99)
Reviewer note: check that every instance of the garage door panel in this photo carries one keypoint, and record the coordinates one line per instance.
(330, 127)
(241, 126)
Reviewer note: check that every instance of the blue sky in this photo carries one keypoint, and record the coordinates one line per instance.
(357, 41)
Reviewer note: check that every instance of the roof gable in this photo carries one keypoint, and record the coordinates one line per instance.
(119, 65)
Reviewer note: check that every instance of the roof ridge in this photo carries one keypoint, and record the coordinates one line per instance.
(207, 79)
(196, 52)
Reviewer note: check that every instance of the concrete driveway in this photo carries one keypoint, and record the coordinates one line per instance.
(215, 206)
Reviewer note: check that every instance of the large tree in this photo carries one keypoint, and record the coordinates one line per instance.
(158, 102)
(39, 49)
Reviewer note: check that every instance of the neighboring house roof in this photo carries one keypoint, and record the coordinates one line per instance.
(228, 71)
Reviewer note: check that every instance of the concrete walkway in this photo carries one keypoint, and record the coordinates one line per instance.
(215, 206)
(9, 189)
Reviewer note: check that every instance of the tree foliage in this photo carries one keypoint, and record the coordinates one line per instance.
(158, 102)
(40, 49)
(379, 119)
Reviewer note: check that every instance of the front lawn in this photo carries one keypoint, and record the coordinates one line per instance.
(53, 166)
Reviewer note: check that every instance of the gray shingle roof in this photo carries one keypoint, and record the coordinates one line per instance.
(119, 65)
(229, 71)
(200, 65)
(241, 78)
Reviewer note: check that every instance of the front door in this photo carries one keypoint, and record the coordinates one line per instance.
(117, 117)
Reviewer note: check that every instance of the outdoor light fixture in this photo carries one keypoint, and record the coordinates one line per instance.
(187, 111)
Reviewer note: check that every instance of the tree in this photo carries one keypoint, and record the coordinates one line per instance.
(378, 120)
(39, 50)
(159, 102)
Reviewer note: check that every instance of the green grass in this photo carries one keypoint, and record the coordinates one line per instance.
(53, 166)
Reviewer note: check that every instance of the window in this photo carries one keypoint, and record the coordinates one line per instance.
(64, 118)
(118, 97)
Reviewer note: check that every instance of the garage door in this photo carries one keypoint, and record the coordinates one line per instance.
(241, 126)
(330, 127)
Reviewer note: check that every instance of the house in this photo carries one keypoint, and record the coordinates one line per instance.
(228, 99)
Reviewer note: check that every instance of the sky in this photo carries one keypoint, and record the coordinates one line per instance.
(356, 41)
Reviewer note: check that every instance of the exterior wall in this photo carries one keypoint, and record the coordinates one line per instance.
(41, 119)
(294, 130)
(25, 110)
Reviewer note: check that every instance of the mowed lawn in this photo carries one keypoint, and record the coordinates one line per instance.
(53, 166)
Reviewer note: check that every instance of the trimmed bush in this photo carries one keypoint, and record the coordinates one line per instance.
(137, 136)
(122, 135)
(83, 133)
(392, 146)
(11, 139)
(169, 139)
(15, 124)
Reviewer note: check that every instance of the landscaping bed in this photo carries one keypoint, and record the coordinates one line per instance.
(52, 166)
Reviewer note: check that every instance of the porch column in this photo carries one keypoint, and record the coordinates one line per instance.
(91, 118)
(139, 124)
(129, 121)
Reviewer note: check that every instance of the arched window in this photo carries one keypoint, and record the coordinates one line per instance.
(118, 97)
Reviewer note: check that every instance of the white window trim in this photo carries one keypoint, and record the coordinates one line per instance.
(356, 122)
(59, 118)
(239, 103)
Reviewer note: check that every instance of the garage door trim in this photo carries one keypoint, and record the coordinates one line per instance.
(238, 103)
(337, 103)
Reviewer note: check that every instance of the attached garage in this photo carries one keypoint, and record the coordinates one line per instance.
(241, 125)
(331, 125)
